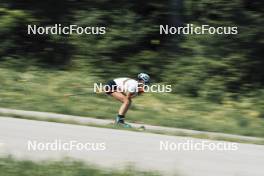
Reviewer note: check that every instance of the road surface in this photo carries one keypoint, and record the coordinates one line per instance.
(143, 150)
(47, 116)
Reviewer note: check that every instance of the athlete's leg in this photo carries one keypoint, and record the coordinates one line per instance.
(120, 119)
(126, 102)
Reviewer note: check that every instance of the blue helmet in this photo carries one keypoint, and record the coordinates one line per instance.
(145, 77)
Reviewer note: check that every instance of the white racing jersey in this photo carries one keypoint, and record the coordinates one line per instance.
(126, 85)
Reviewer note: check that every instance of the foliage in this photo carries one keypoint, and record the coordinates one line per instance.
(12, 167)
(230, 63)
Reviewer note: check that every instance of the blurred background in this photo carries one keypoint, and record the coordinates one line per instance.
(217, 79)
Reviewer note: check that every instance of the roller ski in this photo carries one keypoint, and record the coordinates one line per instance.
(120, 122)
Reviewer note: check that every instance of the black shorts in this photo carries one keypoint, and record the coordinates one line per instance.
(110, 87)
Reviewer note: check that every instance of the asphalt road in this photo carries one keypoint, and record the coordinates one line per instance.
(125, 147)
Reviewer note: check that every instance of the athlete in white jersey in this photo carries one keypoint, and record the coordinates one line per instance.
(127, 85)
(123, 90)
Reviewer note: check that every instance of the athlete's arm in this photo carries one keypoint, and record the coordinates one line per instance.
(130, 95)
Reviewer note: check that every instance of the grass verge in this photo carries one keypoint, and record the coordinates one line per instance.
(43, 90)
(67, 167)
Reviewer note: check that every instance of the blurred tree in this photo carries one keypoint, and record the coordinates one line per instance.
(206, 65)
(229, 63)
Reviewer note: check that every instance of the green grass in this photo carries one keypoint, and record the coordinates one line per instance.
(11, 167)
(44, 90)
